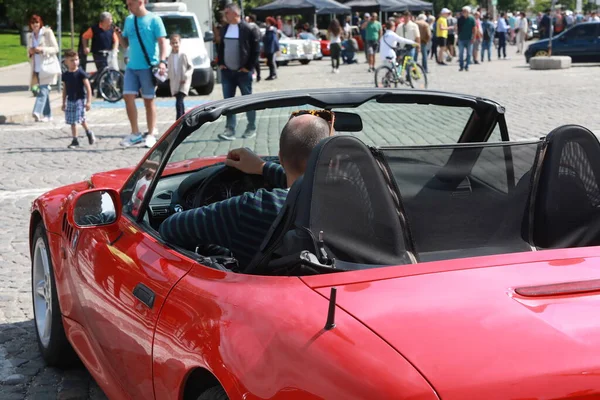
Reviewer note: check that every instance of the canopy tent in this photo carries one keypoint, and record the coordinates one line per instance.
(303, 7)
(417, 5)
(389, 5)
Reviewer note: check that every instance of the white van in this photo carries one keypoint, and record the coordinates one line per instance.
(177, 20)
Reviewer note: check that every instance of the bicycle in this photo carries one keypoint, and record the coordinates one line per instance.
(109, 81)
(393, 74)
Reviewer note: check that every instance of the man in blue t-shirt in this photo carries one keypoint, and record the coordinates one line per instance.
(143, 57)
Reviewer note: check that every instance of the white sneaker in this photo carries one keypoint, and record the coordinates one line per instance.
(333, 70)
(37, 117)
(131, 140)
(150, 140)
(337, 71)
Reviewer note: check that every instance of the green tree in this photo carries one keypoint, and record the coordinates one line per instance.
(85, 11)
(513, 5)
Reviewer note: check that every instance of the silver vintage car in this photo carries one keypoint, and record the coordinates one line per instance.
(304, 49)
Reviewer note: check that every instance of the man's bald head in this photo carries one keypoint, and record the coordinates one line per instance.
(298, 138)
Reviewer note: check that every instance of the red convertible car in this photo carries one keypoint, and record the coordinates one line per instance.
(414, 260)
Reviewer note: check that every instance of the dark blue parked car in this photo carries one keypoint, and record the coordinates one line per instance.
(580, 42)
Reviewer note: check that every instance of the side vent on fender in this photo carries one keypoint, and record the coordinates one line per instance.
(67, 228)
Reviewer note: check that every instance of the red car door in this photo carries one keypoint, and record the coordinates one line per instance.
(122, 281)
(122, 287)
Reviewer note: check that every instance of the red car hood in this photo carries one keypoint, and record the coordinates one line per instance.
(111, 179)
(471, 333)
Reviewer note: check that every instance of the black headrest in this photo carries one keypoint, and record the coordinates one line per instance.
(346, 196)
(569, 191)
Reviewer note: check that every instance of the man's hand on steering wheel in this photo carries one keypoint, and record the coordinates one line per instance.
(245, 160)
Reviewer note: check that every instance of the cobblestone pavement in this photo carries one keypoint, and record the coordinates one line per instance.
(34, 158)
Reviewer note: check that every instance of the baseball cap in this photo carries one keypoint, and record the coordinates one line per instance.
(467, 9)
(367, 15)
(445, 11)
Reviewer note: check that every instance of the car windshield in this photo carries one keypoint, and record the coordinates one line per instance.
(185, 26)
(307, 36)
(382, 124)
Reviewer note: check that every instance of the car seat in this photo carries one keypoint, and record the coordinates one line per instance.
(567, 212)
(342, 216)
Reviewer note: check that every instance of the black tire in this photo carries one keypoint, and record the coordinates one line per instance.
(58, 352)
(385, 77)
(416, 76)
(304, 62)
(282, 63)
(214, 393)
(208, 88)
(163, 92)
(110, 85)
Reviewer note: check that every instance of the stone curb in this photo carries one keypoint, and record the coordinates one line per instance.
(14, 66)
(27, 117)
(553, 62)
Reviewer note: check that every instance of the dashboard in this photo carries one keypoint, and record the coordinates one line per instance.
(200, 188)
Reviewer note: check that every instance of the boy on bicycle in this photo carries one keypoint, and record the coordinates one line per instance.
(76, 88)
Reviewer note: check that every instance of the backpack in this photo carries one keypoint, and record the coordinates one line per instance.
(486, 32)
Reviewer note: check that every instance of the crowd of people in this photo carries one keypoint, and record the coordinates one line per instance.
(467, 35)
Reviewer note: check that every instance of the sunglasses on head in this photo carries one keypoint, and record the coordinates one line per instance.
(327, 115)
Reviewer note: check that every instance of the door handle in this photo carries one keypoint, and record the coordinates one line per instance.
(144, 294)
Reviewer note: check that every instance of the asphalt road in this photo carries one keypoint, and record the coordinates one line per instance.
(35, 158)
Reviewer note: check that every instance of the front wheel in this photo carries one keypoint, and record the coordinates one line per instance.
(416, 76)
(52, 341)
(208, 88)
(385, 77)
(304, 62)
(110, 85)
(214, 393)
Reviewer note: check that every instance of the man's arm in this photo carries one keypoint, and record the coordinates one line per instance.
(254, 43)
(161, 36)
(220, 47)
(162, 46)
(248, 162)
(123, 40)
(87, 35)
(274, 175)
(203, 225)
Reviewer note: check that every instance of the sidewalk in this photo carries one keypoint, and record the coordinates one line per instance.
(16, 101)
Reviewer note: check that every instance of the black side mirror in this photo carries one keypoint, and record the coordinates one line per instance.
(209, 36)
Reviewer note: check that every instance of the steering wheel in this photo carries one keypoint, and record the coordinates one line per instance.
(201, 189)
(177, 196)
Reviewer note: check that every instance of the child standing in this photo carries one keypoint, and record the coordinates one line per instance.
(180, 71)
(74, 105)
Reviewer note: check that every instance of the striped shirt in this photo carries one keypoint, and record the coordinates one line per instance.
(240, 223)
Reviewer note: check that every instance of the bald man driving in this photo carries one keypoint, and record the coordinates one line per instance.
(241, 223)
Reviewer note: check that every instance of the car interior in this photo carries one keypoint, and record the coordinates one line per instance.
(408, 203)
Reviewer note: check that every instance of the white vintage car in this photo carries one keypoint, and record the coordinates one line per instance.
(304, 49)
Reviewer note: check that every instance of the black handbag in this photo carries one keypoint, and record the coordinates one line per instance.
(153, 68)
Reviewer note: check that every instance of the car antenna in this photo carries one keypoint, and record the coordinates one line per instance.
(330, 324)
